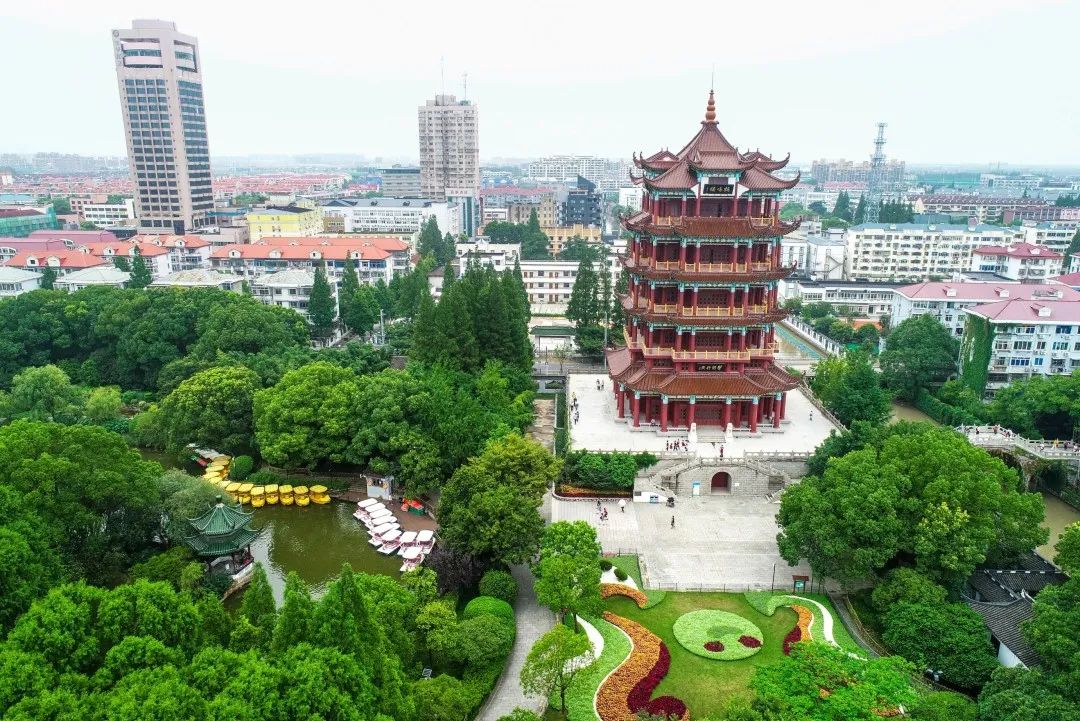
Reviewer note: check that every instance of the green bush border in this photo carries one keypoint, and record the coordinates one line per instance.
(581, 695)
(692, 632)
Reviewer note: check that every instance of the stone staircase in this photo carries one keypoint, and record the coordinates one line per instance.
(664, 475)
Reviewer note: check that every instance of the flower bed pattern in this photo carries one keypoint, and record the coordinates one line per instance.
(607, 590)
(567, 491)
(581, 696)
(801, 632)
(698, 631)
(627, 690)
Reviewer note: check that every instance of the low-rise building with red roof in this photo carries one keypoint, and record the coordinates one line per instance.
(946, 301)
(1018, 261)
(374, 258)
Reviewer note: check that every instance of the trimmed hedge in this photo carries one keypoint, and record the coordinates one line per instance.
(944, 413)
(605, 565)
(586, 469)
(488, 605)
(620, 574)
(499, 584)
(698, 630)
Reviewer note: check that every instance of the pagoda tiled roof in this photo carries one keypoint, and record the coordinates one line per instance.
(755, 178)
(709, 227)
(752, 382)
(660, 160)
(676, 177)
(764, 162)
(213, 546)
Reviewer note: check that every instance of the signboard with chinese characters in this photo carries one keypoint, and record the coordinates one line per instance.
(722, 189)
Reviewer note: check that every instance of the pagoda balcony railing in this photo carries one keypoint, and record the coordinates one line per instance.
(762, 221)
(663, 308)
(666, 265)
(706, 355)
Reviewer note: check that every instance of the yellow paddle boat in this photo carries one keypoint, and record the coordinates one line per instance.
(319, 495)
(300, 495)
(272, 494)
(258, 497)
(285, 495)
(243, 493)
(232, 489)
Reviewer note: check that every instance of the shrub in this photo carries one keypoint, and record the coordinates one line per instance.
(265, 478)
(241, 467)
(499, 584)
(620, 574)
(605, 565)
(488, 605)
(906, 584)
(600, 470)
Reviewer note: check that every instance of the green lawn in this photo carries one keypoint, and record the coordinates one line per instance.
(706, 685)
(633, 570)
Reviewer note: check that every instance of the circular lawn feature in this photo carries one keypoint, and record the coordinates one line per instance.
(717, 634)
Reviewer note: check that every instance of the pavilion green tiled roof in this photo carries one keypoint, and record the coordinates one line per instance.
(220, 519)
(222, 545)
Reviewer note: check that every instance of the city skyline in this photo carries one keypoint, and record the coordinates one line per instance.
(837, 74)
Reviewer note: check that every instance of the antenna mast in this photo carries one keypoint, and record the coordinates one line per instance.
(464, 86)
(874, 180)
(442, 75)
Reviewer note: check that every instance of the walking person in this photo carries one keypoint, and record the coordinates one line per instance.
(622, 506)
(721, 452)
(673, 521)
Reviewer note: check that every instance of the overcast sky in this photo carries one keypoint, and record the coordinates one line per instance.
(979, 81)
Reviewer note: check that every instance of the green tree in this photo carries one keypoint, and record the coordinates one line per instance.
(548, 669)
(140, 271)
(1016, 693)
(944, 706)
(568, 572)
(791, 210)
(947, 637)
(922, 493)
(293, 624)
(454, 338)
(1074, 245)
(122, 263)
(212, 408)
(1039, 406)
(431, 242)
(534, 243)
(909, 586)
(490, 506)
(857, 689)
(918, 353)
(308, 417)
(363, 310)
(849, 387)
(182, 496)
(859, 215)
(1068, 549)
(350, 284)
(1052, 631)
(61, 205)
(321, 304)
(842, 208)
(103, 404)
(31, 560)
(48, 277)
(444, 698)
(44, 394)
(258, 606)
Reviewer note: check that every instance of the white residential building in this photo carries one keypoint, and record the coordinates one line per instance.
(911, 251)
(1055, 235)
(449, 148)
(389, 216)
(288, 289)
(200, 278)
(374, 258)
(549, 283)
(106, 214)
(500, 256)
(1019, 261)
(946, 301)
(1028, 337)
(630, 198)
(16, 281)
(817, 258)
(106, 275)
(858, 299)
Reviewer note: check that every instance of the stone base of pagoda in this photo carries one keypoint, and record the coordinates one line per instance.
(678, 414)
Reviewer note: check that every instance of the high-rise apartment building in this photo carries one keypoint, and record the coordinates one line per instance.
(449, 149)
(159, 73)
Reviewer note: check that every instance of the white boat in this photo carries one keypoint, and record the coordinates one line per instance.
(383, 528)
(383, 515)
(367, 502)
(408, 539)
(365, 513)
(412, 557)
(425, 540)
(391, 541)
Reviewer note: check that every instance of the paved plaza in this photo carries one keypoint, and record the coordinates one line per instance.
(719, 542)
(598, 428)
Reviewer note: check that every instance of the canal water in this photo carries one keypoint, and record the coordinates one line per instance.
(1059, 515)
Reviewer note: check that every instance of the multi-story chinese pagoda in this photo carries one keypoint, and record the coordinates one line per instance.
(701, 304)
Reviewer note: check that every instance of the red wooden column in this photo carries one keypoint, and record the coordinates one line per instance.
(682, 255)
(680, 293)
(693, 303)
(678, 339)
(690, 410)
(783, 405)
(755, 408)
(745, 300)
(664, 413)
(620, 398)
(635, 408)
(731, 300)
(697, 206)
(683, 206)
(693, 340)
(778, 408)
(727, 412)
(742, 340)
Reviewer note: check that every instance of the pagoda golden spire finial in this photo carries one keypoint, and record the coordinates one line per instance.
(710, 110)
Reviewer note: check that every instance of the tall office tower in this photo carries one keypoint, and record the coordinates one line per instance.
(449, 149)
(158, 71)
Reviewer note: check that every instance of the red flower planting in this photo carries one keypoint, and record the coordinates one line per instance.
(793, 637)
(715, 646)
(748, 641)
(627, 690)
(802, 628)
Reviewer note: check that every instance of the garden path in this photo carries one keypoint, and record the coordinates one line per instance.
(533, 621)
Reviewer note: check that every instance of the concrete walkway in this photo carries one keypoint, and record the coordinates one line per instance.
(533, 621)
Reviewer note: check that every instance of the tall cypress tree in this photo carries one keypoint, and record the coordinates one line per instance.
(517, 320)
(860, 211)
(423, 348)
(455, 339)
(431, 240)
(140, 271)
(350, 283)
(48, 277)
(493, 332)
(321, 304)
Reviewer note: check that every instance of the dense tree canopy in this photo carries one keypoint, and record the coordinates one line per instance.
(212, 409)
(918, 353)
(1040, 406)
(568, 572)
(947, 637)
(923, 495)
(849, 387)
(490, 506)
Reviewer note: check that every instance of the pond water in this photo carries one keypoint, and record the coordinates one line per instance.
(904, 412)
(314, 542)
(1059, 514)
